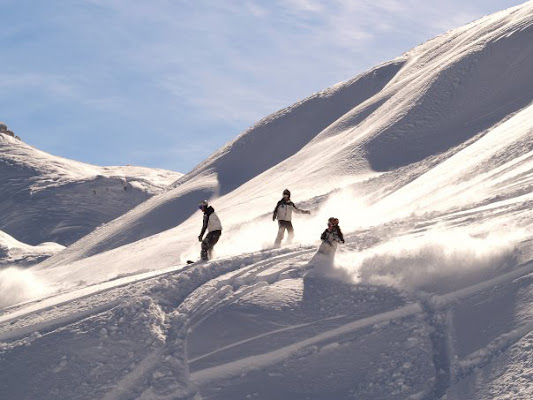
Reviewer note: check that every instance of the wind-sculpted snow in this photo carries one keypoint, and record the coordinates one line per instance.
(13, 252)
(454, 108)
(286, 132)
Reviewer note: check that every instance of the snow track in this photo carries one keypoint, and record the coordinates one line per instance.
(193, 295)
(437, 314)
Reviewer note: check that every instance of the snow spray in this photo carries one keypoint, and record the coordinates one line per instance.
(17, 285)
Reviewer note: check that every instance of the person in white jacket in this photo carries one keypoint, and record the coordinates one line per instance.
(212, 224)
(283, 213)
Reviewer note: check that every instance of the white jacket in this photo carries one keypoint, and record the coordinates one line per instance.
(214, 223)
(211, 222)
(283, 210)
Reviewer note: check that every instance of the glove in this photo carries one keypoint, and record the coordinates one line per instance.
(200, 238)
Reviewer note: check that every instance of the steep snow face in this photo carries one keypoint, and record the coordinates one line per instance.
(48, 198)
(458, 102)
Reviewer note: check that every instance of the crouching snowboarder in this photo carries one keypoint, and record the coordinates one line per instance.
(331, 237)
(283, 213)
(212, 224)
(321, 264)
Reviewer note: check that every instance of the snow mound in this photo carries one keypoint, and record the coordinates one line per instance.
(14, 252)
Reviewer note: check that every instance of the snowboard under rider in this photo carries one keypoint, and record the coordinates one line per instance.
(212, 224)
(283, 213)
(331, 237)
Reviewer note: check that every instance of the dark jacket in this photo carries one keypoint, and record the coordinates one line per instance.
(335, 235)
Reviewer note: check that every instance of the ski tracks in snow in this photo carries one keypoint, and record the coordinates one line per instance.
(192, 294)
(437, 314)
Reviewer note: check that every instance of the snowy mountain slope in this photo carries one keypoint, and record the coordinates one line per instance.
(431, 295)
(48, 198)
(262, 146)
(442, 82)
(254, 327)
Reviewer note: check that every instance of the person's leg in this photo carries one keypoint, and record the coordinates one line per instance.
(215, 235)
(281, 233)
(205, 248)
(290, 229)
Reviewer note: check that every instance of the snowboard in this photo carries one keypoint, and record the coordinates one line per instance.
(189, 262)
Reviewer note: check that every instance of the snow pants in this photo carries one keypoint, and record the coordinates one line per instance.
(208, 243)
(282, 226)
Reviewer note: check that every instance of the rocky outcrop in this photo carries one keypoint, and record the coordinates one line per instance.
(4, 129)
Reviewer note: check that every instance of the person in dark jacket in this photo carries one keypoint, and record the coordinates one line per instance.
(212, 224)
(322, 263)
(283, 213)
(331, 237)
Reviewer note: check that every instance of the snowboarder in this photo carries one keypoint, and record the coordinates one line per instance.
(321, 264)
(212, 224)
(283, 212)
(331, 237)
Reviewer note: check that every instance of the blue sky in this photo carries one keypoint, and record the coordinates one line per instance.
(164, 83)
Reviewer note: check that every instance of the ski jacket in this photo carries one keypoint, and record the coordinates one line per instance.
(332, 237)
(211, 221)
(284, 209)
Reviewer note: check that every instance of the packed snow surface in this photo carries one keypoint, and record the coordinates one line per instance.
(427, 161)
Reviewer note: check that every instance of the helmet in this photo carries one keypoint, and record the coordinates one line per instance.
(202, 204)
(287, 192)
(333, 221)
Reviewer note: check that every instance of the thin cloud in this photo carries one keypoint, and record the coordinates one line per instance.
(304, 5)
(193, 65)
(226, 78)
(53, 84)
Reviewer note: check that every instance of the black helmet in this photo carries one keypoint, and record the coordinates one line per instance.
(203, 204)
(287, 192)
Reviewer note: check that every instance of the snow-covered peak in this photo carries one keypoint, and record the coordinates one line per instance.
(53, 170)
(49, 198)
